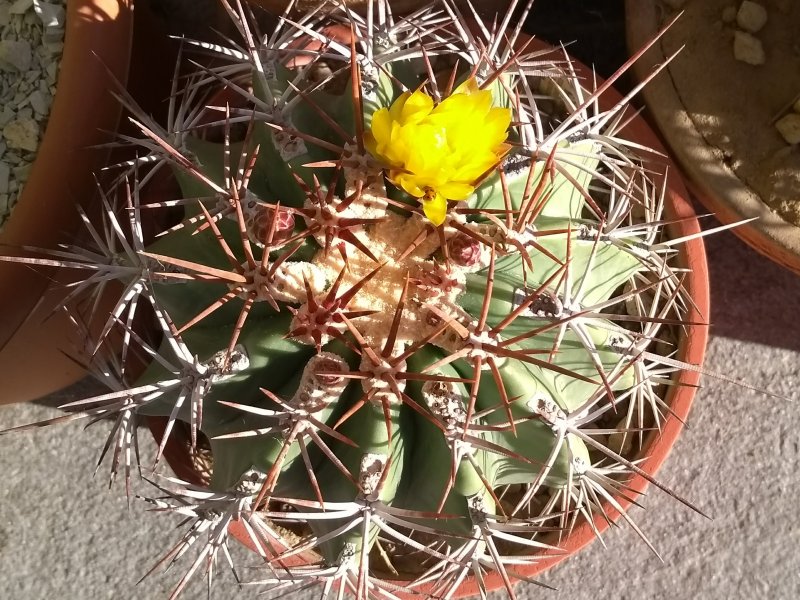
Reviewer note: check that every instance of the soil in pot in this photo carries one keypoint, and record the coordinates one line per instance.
(736, 102)
(728, 106)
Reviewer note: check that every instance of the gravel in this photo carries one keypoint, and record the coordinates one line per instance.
(31, 43)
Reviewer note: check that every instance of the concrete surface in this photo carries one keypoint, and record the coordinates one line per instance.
(64, 535)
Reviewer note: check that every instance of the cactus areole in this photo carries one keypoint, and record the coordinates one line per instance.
(420, 308)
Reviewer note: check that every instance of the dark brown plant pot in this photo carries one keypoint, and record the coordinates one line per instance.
(691, 349)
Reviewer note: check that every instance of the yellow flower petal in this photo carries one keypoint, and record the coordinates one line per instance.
(469, 86)
(381, 128)
(370, 143)
(456, 191)
(409, 183)
(437, 152)
(413, 109)
(396, 109)
(435, 209)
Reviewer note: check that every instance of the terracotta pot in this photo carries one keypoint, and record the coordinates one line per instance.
(691, 349)
(712, 180)
(103, 43)
(97, 41)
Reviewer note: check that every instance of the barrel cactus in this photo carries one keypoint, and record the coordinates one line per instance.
(418, 308)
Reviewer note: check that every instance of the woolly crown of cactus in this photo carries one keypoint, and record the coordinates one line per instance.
(411, 306)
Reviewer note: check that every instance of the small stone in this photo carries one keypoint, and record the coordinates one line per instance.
(6, 115)
(20, 7)
(52, 72)
(21, 173)
(5, 14)
(56, 46)
(51, 15)
(5, 172)
(15, 55)
(22, 134)
(748, 49)
(39, 103)
(729, 14)
(789, 128)
(718, 139)
(751, 16)
(29, 19)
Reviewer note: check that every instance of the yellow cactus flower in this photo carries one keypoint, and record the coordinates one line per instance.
(439, 152)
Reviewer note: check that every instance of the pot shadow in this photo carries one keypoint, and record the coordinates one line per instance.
(593, 33)
(84, 388)
(752, 298)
